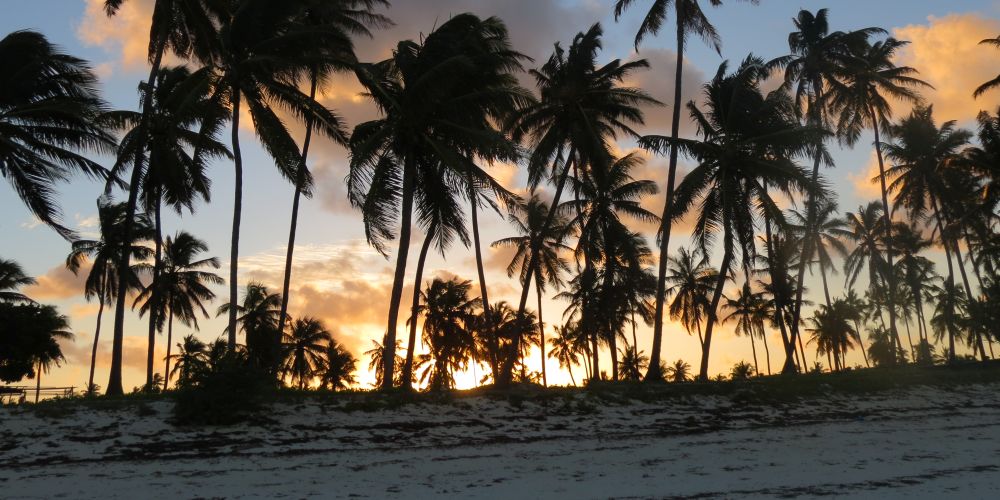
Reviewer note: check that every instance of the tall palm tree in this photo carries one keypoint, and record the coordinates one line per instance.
(582, 107)
(182, 286)
(304, 350)
(745, 309)
(12, 277)
(190, 360)
(179, 151)
(186, 28)
(862, 99)
(817, 59)
(916, 269)
(104, 276)
(690, 281)
(605, 195)
(338, 367)
(262, 56)
(434, 97)
(994, 83)
(733, 181)
(823, 234)
(343, 19)
(690, 20)
(257, 318)
(48, 106)
(528, 219)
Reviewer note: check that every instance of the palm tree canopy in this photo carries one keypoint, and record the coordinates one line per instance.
(48, 105)
(184, 282)
(12, 277)
(994, 83)
(691, 20)
(304, 350)
(528, 219)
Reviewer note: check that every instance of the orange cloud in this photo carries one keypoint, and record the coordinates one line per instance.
(947, 53)
(127, 33)
(865, 182)
(59, 283)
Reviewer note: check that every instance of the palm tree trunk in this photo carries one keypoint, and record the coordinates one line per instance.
(716, 297)
(826, 287)
(154, 296)
(701, 339)
(972, 257)
(887, 232)
(506, 371)
(97, 336)
(38, 381)
(411, 343)
(118, 333)
(753, 346)
(864, 352)
(300, 178)
(951, 273)
(909, 338)
(653, 373)
(569, 367)
(829, 362)
(409, 186)
(234, 249)
(807, 250)
(170, 336)
(779, 302)
(767, 351)
(968, 292)
(480, 270)
(541, 331)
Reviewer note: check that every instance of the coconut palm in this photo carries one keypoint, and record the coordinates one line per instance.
(690, 20)
(257, 318)
(690, 281)
(567, 348)
(823, 236)
(342, 19)
(40, 328)
(179, 151)
(733, 182)
(186, 28)
(744, 309)
(633, 363)
(832, 332)
(304, 350)
(12, 277)
(337, 370)
(864, 230)
(434, 97)
(48, 105)
(994, 83)
(949, 312)
(377, 354)
(447, 313)
(528, 219)
(680, 371)
(582, 107)
(104, 276)
(862, 99)
(190, 361)
(182, 286)
(915, 269)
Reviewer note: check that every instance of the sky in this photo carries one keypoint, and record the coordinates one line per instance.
(341, 280)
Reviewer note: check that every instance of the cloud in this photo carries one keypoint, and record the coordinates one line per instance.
(59, 283)
(126, 34)
(947, 54)
(658, 81)
(865, 183)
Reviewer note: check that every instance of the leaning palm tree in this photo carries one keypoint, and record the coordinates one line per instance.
(340, 19)
(48, 106)
(304, 350)
(179, 151)
(994, 83)
(182, 287)
(338, 367)
(583, 106)
(186, 28)
(528, 219)
(12, 277)
(734, 180)
(104, 276)
(862, 99)
(690, 20)
(432, 96)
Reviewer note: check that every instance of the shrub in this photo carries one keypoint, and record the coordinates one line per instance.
(228, 393)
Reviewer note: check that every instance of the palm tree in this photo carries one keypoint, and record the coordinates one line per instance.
(424, 93)
(604, 194)
(678, 372)
(817, 60)
(44, 328)
(47, 122)
(833, 333)
(820, 236)
(304, 350)
(528, 219)
(872, 78)
(567, 348)
(181, 287)
(690, 20)
(190, 360)
(690, 280)
(864, 230)
(633, 363)
(12, 277)
(340, 20)
(377, 354)
(179, 151)
(257, 318)
(949, 312)
(104, 276)
(338, 367)
(447, 313)
(744, 309)
(733, 180)
(994, 83)
(185, 27)
(915, 269)
(582, 107)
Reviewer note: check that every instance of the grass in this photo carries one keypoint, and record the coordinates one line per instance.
(758, 389)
